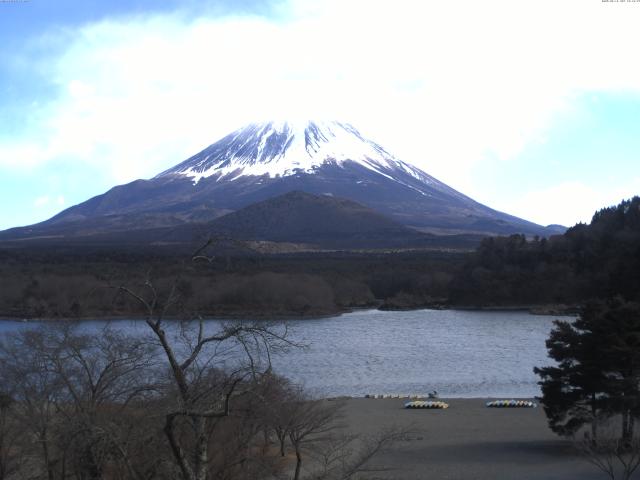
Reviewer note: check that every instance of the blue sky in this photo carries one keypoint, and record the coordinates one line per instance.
(532, 108)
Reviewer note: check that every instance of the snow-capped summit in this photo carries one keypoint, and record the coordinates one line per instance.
(267, 160)
(280, 149)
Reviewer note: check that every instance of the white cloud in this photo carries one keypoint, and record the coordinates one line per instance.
(568, 203)
(41, 201)
(49, 201)
(441, 84)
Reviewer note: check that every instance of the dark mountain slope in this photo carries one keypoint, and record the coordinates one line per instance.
(262, 161)
(319, 220)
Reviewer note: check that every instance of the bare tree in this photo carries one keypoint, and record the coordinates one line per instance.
(314, 430)
(36, 392)
(346, 457)
(278, 409)
(10, 454)
(100, 374)
(71, 391)
(310, 422)
(614, 456)
(192, 354)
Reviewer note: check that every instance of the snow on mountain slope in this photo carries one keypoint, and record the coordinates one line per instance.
(281, 149)
(267, 160)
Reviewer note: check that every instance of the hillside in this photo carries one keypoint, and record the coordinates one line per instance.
(601, 259)
(263, 161)
(322, 222)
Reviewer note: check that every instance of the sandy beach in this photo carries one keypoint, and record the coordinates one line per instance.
(468, 441)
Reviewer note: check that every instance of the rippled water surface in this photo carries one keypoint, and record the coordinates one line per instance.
(457, 353)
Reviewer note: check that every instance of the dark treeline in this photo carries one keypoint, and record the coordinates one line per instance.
(599, 260)
(53, 284)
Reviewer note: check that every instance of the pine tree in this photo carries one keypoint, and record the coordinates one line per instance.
(572, 390)
(598, 369)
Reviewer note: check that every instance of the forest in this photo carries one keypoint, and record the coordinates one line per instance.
(598, 260)
(595, 260)
(80, 284)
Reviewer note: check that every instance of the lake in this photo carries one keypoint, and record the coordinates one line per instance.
(457, 353)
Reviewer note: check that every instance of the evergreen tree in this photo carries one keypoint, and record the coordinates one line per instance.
(619, 331)
(598, 369)
(572, 390)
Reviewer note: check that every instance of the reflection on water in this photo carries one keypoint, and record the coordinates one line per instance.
(457, 353)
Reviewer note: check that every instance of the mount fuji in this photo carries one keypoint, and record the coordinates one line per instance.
(266, 160)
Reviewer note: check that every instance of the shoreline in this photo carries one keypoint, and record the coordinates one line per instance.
(425, 397)
(546, 310)
(170, 318)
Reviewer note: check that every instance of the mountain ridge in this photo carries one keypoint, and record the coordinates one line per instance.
(321, 220)
(263, 161)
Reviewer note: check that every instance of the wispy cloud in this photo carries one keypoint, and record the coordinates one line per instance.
(570, 202)
(48, 201)
(41, 201)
